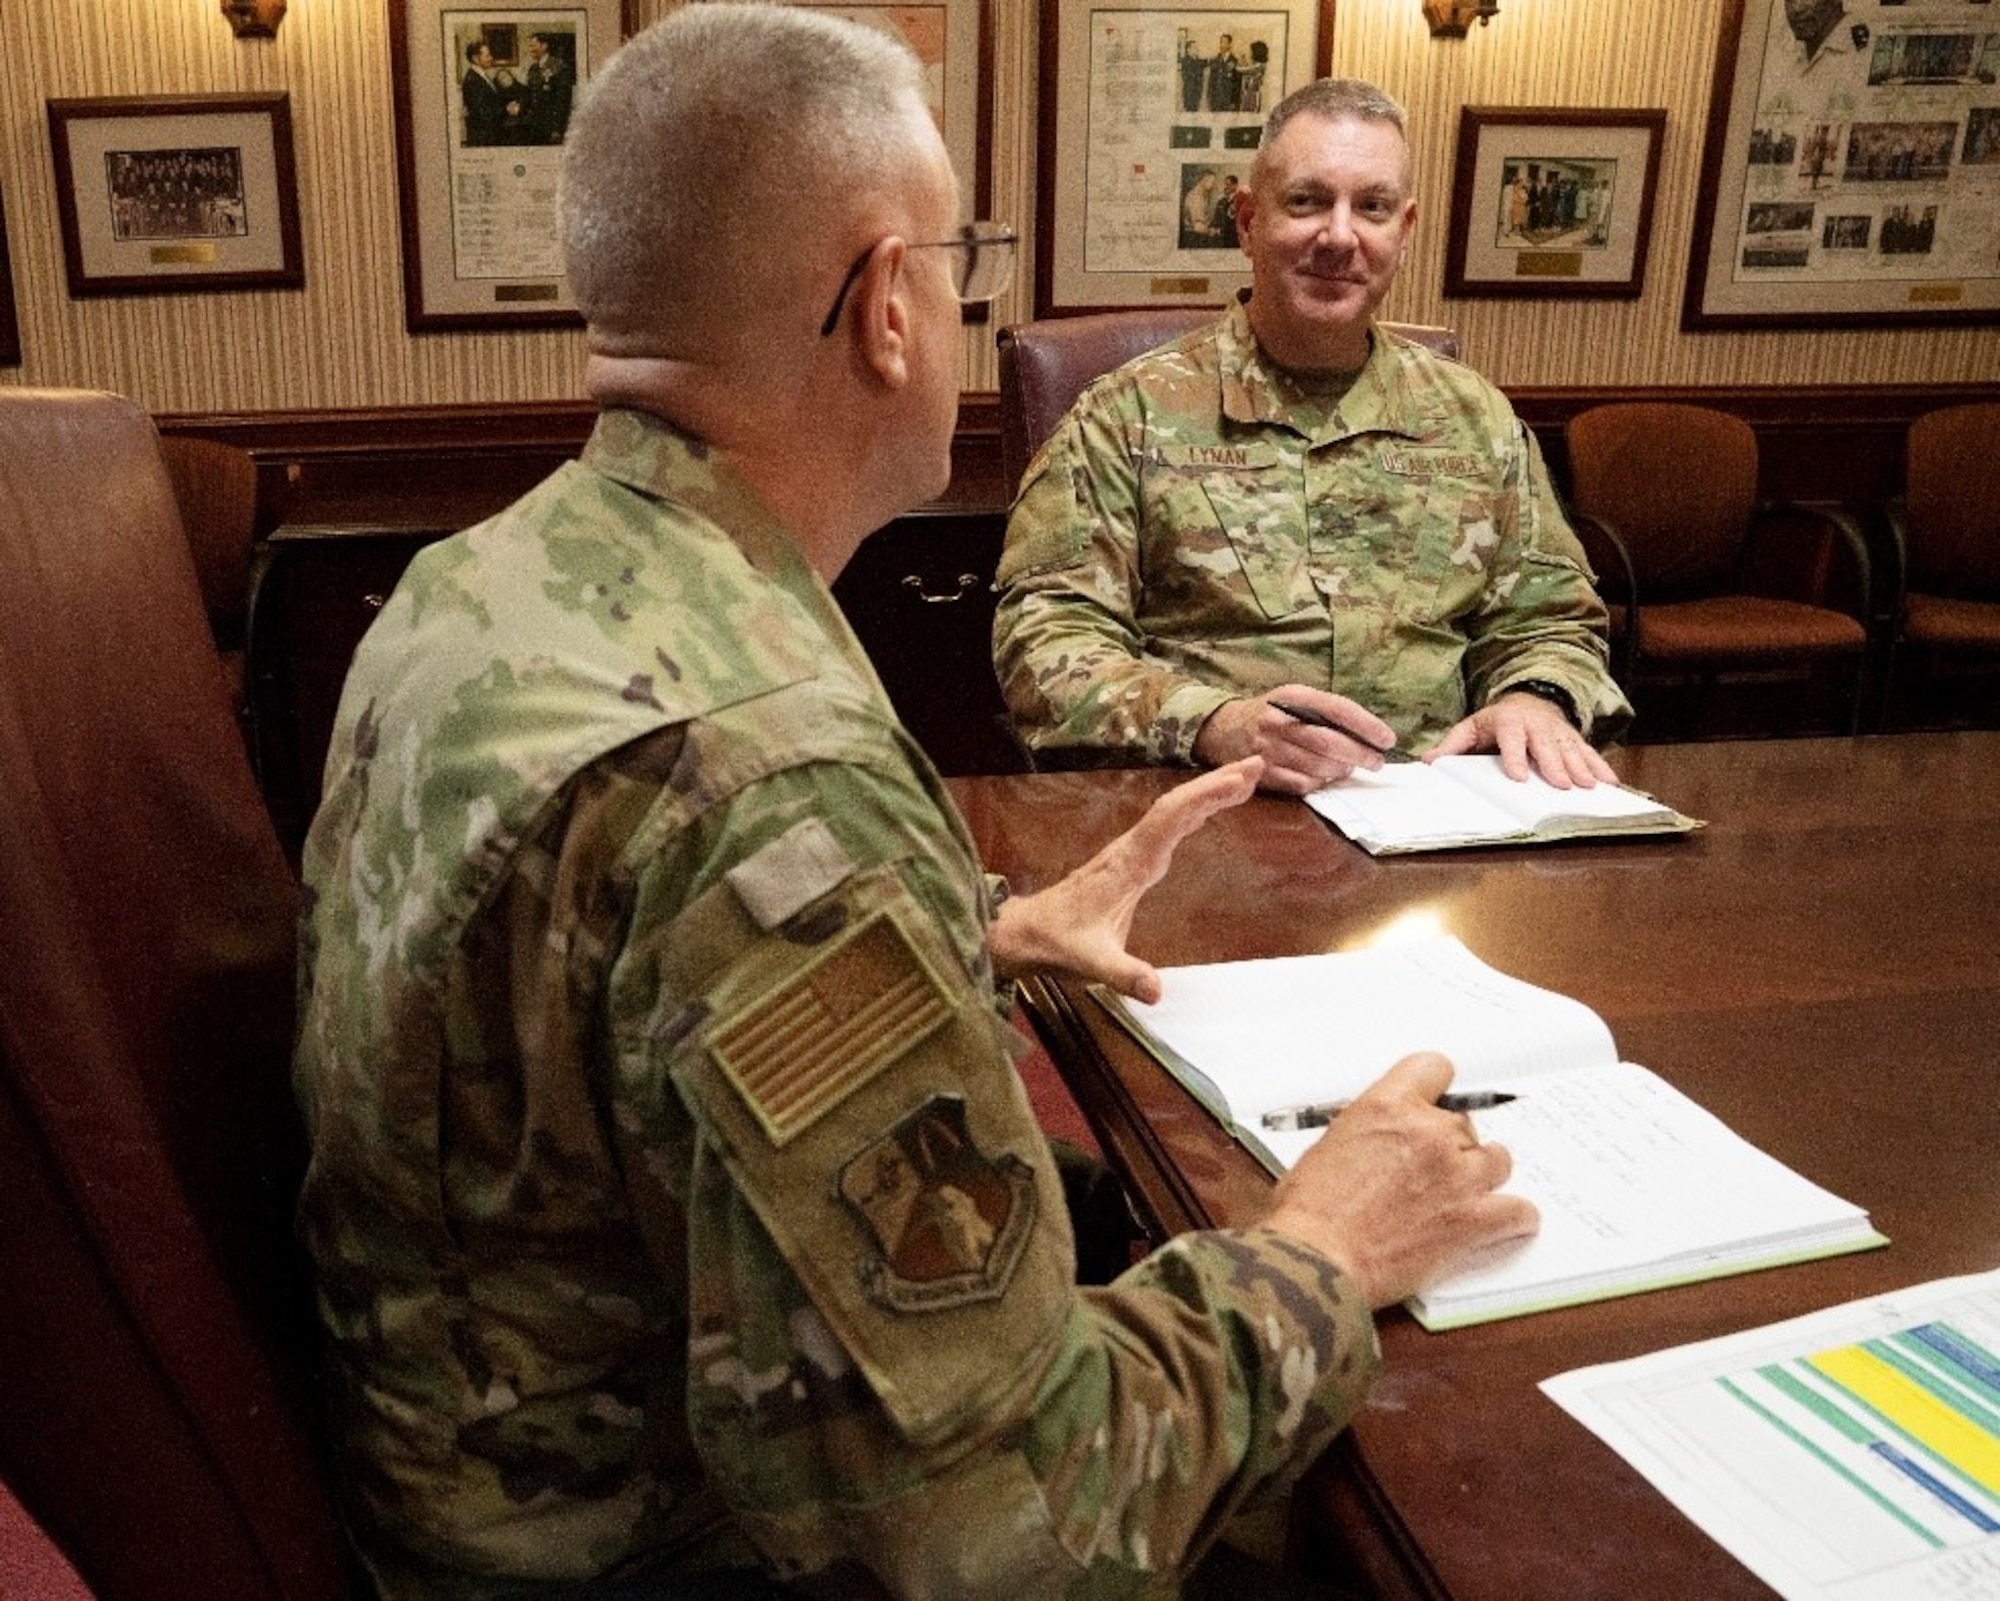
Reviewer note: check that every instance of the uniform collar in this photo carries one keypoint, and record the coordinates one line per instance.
(647, 454)
(1256, 391)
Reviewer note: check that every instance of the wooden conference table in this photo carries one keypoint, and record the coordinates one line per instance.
(1820, 967)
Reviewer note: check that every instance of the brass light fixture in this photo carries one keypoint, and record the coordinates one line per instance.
(254, 19)
(1450, 18)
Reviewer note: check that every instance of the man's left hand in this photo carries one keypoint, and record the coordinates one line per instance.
(1079, 925)
(1530, 735)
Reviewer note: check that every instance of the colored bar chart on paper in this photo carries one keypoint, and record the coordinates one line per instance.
(1853, 1455)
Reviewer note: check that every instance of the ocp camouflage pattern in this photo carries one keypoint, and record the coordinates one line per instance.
(674, 1197)
(1204, 525)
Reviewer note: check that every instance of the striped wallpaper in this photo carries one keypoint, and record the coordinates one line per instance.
(340, 342)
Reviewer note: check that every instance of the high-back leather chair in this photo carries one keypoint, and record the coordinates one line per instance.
(1700, 577)
(154, 1406)
(1044, 365)
(1947, 541)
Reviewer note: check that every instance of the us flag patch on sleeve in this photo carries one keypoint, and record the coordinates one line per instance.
(800, 1050)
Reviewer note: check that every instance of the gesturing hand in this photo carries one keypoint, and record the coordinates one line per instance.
(1079, 925)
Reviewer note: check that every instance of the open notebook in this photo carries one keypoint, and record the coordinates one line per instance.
(1638, 1186)
(1456, 801)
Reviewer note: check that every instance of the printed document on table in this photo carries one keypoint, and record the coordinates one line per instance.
(1851, 1455)
(1455, 801)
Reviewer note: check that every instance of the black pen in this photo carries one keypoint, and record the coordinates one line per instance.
(1388, 753)
(1321, 1113)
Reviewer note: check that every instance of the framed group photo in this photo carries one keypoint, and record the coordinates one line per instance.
(1552, 202)
(163, 194)
(1851, 169)
(1151, 111)
(483, 95)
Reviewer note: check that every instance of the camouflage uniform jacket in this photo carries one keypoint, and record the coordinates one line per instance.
(673, 1195)
(1202, 526)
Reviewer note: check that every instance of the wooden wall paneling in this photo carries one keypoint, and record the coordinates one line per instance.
(348, 496)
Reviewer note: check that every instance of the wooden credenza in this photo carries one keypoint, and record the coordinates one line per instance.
(918, 593)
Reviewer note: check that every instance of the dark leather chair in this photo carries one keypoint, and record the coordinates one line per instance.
(1045, 365)
(1944, 652)
(155, 1414)
(1701, 579)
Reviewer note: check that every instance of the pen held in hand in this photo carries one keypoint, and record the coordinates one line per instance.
(1320, 1113)
(1301, 714)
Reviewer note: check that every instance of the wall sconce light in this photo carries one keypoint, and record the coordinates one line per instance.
(254, 19)
(1450, 18)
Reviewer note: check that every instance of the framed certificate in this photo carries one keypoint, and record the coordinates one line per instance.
(1151, 113)
(483, 95)
(1851, 173)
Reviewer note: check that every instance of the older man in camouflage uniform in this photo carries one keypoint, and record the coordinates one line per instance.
(679, 1218)
(1293, 505)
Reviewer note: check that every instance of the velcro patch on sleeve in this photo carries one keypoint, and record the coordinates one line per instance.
(794, 870)
(801, 1049)
(949, 1221)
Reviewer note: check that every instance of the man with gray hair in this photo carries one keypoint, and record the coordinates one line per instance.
(1295, 510)
(681, 1225)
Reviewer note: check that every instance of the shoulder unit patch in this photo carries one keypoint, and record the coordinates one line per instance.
(950, 1220)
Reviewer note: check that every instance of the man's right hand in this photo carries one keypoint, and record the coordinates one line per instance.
(1299, 757)
(1399, 1192)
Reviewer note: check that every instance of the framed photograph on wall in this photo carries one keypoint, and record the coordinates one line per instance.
(168, 194)
(10, 324)
(1151, 111)
(1551, 203)
(483, 95)
(1851, 170)
(954, 41)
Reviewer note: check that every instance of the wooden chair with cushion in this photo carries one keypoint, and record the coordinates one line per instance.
(215, 487)
(155, 1414)
(1701, 579)
(1944, 654)
(1044, 365)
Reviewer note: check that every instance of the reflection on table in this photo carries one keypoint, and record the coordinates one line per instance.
(1818, 967)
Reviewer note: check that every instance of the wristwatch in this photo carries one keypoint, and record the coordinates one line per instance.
(1554, 694)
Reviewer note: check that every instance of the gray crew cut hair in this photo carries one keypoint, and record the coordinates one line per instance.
(717, 157)
(1337, 100)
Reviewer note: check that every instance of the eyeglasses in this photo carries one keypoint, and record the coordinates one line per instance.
(982, 271)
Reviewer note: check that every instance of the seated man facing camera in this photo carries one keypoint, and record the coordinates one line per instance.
(681, 1226)
(1294, 506)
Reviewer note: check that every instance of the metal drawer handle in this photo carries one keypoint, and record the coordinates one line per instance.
(966, 583)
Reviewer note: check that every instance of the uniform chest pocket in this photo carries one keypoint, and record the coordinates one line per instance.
(1228, 535)
(1420, 547)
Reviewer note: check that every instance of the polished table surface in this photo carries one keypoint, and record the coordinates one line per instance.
(1819, 966)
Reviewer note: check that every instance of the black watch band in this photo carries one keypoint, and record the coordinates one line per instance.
(1554, 694)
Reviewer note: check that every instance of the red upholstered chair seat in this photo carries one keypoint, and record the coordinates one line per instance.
(1701, 578)
(1746, 630)
(1945, 622)
(1944, 661)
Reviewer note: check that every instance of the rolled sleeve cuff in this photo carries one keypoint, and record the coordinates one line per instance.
(1182, 714)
